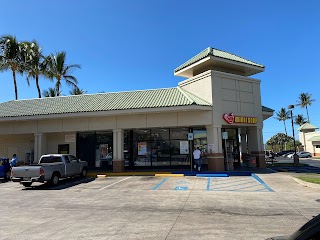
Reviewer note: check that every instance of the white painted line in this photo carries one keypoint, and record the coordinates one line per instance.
(114, 183)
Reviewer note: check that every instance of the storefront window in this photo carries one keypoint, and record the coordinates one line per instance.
(141, 135)
(179, 133)
(96, 149)
(160, 134)
(160, 147)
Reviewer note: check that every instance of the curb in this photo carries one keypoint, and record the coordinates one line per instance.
(122, 174)
(306, 184)
(168, 175)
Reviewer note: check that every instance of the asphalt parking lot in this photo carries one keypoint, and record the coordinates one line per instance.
(148, 207)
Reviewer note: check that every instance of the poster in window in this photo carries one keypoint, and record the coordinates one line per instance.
(184, 147)
(142, 148)
(103, 150)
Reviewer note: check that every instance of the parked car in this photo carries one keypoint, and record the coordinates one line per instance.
(51, 168)
(284, 153)
(301, 155)
(304, 154)
(289, 155)
(309, 231)
(5, 168)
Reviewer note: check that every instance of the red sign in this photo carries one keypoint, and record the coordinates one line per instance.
(230, 119)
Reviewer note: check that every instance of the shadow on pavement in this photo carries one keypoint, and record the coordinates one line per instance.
(63, 184)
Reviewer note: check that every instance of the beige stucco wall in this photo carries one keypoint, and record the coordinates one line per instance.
(199, 85)
(54, 139)
(19, 144)
(170, 119)
(235, 94)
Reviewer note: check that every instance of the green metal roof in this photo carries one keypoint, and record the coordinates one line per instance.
(216, 53)
(307, 126)
(169, 97)
(266, 109)
(314, 138)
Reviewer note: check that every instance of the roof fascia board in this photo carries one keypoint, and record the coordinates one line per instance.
(109, 113)
(248, 65)
(192, 65)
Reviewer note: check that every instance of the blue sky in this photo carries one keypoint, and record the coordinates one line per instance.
(132, 45)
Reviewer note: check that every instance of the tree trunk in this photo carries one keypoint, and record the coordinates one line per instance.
(307, 114)
(15, 84)
(285, 128)
(58, 87)
(38, 87)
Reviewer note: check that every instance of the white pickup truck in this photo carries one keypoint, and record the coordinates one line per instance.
(51, 168)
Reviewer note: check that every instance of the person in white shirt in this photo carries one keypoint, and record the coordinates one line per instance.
(14, 160)
(197, 158)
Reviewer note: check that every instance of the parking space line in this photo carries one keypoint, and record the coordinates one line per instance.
(261, 190)
(208, 185)
(252, 184)
(261, 182)
(240, 189)
(222, 182)
(228, 186)
(114, 183)
(160, 183)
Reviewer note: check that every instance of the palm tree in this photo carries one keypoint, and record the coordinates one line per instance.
(77, 91)
(59, 70)
(51, 92)
(305, 101)
(299, 120)
(36, 64)
(11, 58)
(283, 115)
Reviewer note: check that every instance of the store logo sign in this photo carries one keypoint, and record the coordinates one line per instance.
(231, 119)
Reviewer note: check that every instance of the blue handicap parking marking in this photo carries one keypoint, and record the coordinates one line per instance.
(238, 184)
(182, 182)
(180, 188)
(160, 183)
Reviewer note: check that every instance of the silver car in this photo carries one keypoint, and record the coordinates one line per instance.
(304, 154)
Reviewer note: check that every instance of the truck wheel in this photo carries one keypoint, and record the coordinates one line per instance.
(83, 174)
(27, 184)
(55, 179)
(7, 175)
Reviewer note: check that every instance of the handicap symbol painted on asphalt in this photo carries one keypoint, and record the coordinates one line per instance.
(182, 182)
(181, 188)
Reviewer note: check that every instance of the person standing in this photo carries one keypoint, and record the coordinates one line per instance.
(197, 158)
(14, 161)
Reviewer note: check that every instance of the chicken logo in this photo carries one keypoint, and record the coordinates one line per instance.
(229, 118)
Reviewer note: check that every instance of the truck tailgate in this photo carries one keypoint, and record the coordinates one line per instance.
(26, 171)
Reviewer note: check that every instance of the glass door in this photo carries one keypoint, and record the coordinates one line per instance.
(231, 148)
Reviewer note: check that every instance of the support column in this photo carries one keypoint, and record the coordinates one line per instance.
(118, 156)
(40, 146)
(255, 145)
(215, 156)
